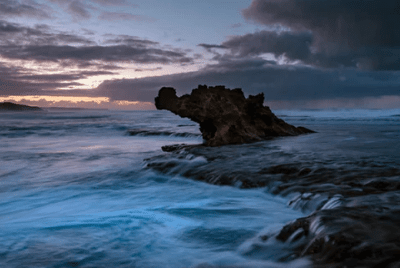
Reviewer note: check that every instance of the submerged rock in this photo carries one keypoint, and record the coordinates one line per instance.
(226, 116)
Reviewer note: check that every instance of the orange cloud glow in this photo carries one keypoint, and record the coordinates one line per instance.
(78, 102)
(56, 99)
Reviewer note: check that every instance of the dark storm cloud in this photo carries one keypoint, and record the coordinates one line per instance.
(12, 8)
(355, 33)
(358, 22)
(293, 45)
(257, 75)
(289, 46)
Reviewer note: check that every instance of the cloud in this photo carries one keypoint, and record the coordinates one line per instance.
(12, 8)
(208, 47)
(82, 9)
(15, 87)
(77, 9)
(60, 77)
(300, 46)
(16, 79)
(118, 53)
(147, 69)
(38, 59)
(112, 16)
(40, 43)
(236, 25)
(356, 33)
(279, 83)
(356, 22)
(128, 40)
(14, 34)
(114, 3)
(295, 46)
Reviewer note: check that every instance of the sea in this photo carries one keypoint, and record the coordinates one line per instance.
(76, 189)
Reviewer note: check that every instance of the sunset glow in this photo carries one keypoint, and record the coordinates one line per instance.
(54, 99)
(178, 133)
(78, 102)
(98, 51)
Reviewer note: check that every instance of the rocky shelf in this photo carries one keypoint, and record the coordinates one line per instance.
(352, 204)
(226, 116)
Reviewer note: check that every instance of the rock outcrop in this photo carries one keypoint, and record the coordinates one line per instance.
(226, 116)
(9, 106)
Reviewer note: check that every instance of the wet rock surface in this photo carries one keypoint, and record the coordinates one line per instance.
(352, 235)
(353, 203)
(226, 116)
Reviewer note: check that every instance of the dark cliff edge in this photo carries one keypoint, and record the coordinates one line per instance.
(9, 106)
(226, 116)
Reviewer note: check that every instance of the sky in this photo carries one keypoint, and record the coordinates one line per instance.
(117, 54)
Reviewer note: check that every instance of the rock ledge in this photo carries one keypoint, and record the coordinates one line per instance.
(226, 116)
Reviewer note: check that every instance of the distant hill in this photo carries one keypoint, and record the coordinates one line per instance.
(9, 106)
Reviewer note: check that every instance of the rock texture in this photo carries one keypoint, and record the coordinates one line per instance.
(226, 116)
(9, 106)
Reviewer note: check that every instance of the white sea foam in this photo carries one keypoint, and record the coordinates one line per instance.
(75, 189)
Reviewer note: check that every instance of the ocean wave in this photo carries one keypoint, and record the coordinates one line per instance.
(145, 133)
(357, 193)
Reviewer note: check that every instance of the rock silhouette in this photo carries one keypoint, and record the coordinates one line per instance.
(226, 116)
(9, 106)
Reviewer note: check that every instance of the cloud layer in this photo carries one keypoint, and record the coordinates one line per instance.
(41, 43)
(353, 33)
(306, 51)
(278, 83)
(13, 8)
(27, 52)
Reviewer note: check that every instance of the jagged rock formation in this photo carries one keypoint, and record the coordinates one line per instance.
(226, 116)
(9, 106)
